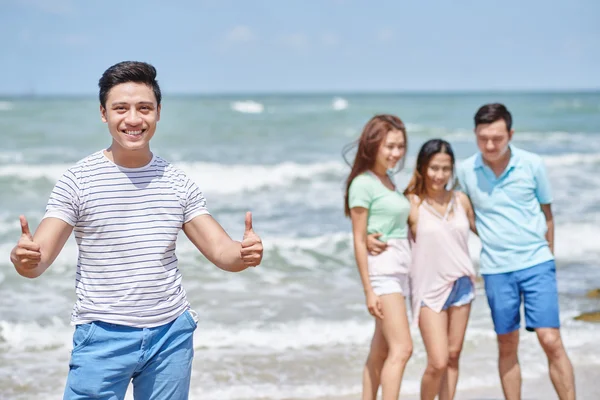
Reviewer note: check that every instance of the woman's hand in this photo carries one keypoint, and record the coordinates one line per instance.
(374, 305)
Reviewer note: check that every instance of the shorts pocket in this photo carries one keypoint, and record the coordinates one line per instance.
(83, 335)
(191, 316)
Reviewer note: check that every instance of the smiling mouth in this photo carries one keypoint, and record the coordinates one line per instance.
(131, 132)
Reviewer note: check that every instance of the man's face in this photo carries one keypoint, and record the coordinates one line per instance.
(493, 140)
(131, 114)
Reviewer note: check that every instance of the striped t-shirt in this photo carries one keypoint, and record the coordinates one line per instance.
(126, 222)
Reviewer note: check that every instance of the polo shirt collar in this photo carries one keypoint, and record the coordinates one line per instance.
(511, 163)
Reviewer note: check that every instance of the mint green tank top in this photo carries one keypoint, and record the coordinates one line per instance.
(388, 209)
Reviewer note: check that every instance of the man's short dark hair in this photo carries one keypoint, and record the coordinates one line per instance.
(128, 71)
(493, 112)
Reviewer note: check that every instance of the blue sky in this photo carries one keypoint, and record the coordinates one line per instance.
(216, 46)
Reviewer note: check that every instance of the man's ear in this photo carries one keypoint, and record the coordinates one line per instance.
(103, 113)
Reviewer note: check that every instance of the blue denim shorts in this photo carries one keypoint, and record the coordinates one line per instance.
(462, 293)
(534, 286)
(107, 357)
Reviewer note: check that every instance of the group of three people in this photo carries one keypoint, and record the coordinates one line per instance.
(415, 242)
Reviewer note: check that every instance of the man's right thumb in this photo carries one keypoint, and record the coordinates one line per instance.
(25, 226)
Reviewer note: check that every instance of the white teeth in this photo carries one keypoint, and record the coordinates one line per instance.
(133, 133)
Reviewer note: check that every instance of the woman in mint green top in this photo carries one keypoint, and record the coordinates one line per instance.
(375, 205)
(384, 206)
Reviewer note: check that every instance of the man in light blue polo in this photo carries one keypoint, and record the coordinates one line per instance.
(511, 196)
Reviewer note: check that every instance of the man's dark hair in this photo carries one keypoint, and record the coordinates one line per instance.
(128, 71)
(490, 113)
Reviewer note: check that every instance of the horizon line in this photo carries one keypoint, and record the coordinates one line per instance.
(330, 92)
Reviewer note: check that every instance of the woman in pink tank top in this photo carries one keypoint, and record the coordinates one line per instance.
(442, 273)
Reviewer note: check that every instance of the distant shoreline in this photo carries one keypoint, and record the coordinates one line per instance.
(323, 93)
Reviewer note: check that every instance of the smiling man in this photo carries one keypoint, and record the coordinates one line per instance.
(126, 207)
(511, 196)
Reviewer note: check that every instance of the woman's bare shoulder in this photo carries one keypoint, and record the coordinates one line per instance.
(463, 198)
(414, 199)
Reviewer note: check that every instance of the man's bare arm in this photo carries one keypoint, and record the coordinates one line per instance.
(547, 209)
(217, 246)
(33, 254)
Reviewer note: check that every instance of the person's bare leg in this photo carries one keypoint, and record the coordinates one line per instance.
(458, 318)
(561, 369)
(374, 364)
(434, 331)
(508, 365)
(397, 335)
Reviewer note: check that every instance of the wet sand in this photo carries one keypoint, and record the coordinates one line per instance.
(586, 386)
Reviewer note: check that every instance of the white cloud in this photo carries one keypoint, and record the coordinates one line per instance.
(240, 34)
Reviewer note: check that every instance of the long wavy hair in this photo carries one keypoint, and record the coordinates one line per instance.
(417, 186)
(368, 144)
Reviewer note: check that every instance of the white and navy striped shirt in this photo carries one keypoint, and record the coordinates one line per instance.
(126, 222)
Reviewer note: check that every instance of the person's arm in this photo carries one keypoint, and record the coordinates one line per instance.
(211, 239)
(468, 207)
(543, 193)
(33, 254)
(374, 245)
(547, 209)
(217, 246)
(359, 216)
(413, 216)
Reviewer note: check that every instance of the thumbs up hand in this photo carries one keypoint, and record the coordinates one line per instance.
(252, 248)
(26, 254)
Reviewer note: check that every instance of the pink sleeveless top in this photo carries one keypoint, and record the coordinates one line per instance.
(440, 255)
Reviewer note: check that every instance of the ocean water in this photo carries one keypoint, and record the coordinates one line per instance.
(296, 327)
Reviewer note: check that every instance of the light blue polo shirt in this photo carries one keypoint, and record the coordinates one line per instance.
(508, 215)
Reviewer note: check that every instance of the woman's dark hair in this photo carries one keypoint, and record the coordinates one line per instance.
(493, 112)
(128, 71)
(416, 186)
(370, 140)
